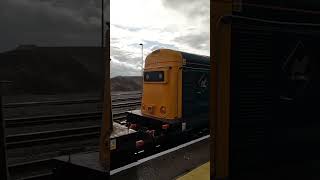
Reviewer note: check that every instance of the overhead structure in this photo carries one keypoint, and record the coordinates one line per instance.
(264, 108)
(107, 124)
(4, 173)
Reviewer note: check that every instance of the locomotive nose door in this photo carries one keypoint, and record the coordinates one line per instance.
(159, 93)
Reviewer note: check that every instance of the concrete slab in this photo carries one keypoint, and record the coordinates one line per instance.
(200, 173)
(88, 160)
(167, 165)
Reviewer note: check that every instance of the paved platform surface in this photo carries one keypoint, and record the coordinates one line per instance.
(168, 166)
(200, 173)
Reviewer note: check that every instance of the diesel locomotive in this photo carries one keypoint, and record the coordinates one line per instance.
(175, 95)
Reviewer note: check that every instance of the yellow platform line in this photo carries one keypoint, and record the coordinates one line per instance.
(200, 173)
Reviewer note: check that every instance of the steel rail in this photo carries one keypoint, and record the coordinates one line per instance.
(54, 136)
(36, 120)
(66, 102)
(20, 170)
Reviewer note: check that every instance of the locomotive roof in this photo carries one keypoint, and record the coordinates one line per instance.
(190, 58)
(194, 58)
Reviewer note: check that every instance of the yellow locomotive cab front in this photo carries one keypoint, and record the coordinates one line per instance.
(162, 81)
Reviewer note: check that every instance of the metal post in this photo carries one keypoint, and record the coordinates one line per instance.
(4, 174)
(141, 58)
(106, 128)
(102, 26)
(219, 96)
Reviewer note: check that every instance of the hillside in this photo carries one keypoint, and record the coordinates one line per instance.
(51, 70)
(126, 83)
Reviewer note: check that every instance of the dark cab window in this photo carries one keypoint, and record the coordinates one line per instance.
(154, 76)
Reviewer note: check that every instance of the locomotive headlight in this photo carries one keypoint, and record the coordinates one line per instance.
(160, 76)
(163, 109)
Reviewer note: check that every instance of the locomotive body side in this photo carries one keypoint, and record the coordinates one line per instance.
(195, 90)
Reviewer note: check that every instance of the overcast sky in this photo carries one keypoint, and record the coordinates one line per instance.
(175, 24)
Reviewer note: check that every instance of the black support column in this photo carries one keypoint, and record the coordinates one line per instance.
(4, 174)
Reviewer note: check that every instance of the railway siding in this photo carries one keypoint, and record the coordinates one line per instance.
(33, 140)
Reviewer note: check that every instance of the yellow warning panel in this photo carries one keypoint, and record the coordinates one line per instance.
(200, 173)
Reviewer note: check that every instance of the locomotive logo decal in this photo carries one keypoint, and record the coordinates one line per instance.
(237, 5)
(296, 64)
(203, 83)
(296, 69)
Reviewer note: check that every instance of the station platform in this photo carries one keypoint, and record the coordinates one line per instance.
(200, 173)
(169, 164)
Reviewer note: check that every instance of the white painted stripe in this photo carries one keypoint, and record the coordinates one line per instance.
(128, 166)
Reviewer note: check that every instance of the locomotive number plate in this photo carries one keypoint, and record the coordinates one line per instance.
(113, 144)
(183, 126)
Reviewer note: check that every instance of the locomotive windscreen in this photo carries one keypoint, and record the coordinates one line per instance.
(154, 76)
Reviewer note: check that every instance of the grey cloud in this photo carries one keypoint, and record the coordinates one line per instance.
(128, 58)
(195, 11)
(191, 8)
(133, 29)
(121, 69)
(125, 56)
(197, 41)
(153, 45)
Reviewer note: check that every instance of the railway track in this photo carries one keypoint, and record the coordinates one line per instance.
(56, 136)
(39, 169)
(69, 102)
(44, 167)
(16, 122)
